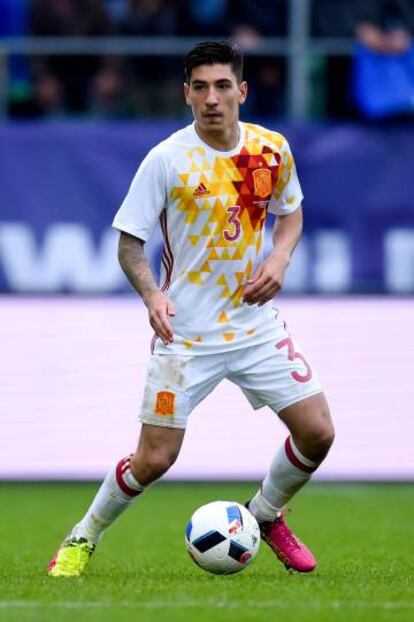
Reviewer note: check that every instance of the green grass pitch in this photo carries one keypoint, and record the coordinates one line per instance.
(363, 536)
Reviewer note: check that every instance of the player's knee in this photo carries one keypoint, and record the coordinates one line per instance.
(323, 437)
(317, 437)
(316, 444)
(159, 463)
(154, 463)
(322, 429)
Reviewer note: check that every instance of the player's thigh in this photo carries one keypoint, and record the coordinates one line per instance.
(275, 374)
(175, 384)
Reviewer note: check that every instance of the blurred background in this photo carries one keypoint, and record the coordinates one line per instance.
(86, 89)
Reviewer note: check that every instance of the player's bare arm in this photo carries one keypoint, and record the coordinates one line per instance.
(138, 271)
(268, 278)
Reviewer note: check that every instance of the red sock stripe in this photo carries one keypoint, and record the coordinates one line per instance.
(121, 468)
(294, 460)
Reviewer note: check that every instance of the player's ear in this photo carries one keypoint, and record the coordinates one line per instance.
(242, 92)
(186, 93)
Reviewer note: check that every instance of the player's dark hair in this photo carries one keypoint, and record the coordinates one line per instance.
(212, 53)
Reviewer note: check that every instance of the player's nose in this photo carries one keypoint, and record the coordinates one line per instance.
(211, 99)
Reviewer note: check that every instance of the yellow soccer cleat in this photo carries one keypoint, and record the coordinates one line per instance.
(71, 558)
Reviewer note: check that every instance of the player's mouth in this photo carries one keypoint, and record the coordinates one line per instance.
(213, 115)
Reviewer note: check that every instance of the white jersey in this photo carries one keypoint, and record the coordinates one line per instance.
(212, 207)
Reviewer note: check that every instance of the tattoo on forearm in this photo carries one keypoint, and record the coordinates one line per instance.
(135, 265)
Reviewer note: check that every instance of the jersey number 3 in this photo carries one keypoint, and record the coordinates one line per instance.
(234, 231)
(292, 355)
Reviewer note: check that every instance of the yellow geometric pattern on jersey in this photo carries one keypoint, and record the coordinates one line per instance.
(233, 199)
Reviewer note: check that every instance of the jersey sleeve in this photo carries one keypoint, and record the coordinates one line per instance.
(146, 198)
(287, 194)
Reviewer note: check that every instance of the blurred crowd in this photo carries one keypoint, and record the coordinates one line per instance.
(123, 86)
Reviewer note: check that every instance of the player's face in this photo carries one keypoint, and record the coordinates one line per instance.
(215, 97)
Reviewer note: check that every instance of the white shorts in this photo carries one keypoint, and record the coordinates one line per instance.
(274, 374)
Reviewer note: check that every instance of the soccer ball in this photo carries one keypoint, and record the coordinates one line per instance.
(222, 537)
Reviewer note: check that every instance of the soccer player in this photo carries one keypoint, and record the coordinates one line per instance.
(211, 185)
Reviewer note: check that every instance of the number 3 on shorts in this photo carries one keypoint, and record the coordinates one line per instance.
(292, 355)
(233, 219)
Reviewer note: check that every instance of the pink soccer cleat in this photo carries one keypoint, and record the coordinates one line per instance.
(289, 550)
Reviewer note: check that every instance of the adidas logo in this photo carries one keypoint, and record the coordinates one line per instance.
(201, 191)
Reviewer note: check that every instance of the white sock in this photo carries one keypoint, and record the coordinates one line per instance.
(289, 471)
(117, 492)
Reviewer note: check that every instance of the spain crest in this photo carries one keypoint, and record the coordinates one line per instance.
(262, 179)
(165, 404)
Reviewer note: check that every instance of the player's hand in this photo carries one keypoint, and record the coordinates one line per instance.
(266, 281)
(160, 309)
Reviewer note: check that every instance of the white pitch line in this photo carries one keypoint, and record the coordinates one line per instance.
(276, 604)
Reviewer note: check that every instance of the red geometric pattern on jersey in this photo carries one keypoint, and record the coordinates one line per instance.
(247, 199)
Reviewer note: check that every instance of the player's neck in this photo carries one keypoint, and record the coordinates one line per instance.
(221, 140)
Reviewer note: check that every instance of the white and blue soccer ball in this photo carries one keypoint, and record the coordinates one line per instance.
(222, 537)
